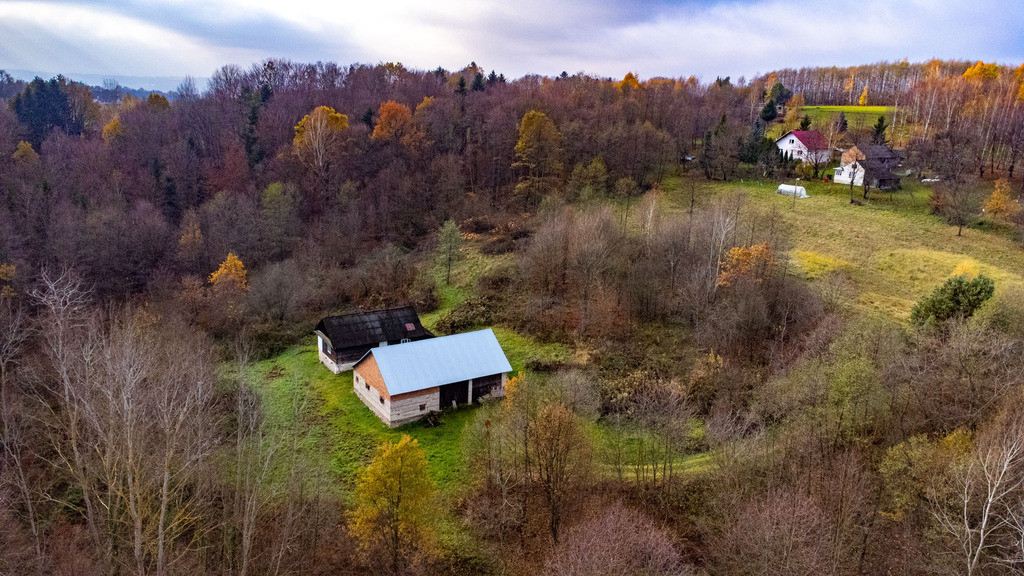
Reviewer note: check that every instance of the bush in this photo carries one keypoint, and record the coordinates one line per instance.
(616, 540)
(1005, 312)
(498, 245)
(494, 283)
(423, 294)
(466, 314)
(477, 224)
(959, 297)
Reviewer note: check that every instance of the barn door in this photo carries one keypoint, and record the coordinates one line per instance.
(457, 392)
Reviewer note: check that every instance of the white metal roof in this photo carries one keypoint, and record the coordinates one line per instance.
(427, 363)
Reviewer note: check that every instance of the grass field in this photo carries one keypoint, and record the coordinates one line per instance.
(856, 116)
(892, 249)
(344, 432)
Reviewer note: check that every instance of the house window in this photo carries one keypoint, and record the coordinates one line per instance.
(367, 385)
(423, 407)
(381, 398)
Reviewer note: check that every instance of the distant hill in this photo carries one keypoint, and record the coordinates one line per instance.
(105, 89)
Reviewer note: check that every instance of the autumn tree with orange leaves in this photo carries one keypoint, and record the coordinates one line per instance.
(395, 124)
(754, 263)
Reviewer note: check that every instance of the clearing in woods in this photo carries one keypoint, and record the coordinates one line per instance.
(892, 249)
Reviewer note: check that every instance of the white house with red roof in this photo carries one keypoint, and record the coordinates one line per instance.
(805, 145)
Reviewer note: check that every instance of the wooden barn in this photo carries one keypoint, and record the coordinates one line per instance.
(871, 161)
(341, 340)
(406, 382)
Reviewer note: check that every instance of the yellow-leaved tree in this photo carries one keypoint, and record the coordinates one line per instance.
(863, 100)
(539, 154)
(753, 263)
(316, 133)
(1001, 204)
(231, 273)
(25, 153)
(1018, 75)
(981, 72)
(794, 108)
(630, 83)
(190, 243)
(112, 130)
(7, 272)
(393, 521)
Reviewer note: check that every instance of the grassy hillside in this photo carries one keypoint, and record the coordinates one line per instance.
(858, 117)
(892, 249)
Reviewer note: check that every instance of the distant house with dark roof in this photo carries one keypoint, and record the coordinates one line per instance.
(805, 145)
(405, 382)
(874, 162)
(341, 340)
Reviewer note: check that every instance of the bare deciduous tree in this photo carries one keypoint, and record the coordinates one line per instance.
(971, 510)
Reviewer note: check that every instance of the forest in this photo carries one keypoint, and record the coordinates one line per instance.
(706, 382)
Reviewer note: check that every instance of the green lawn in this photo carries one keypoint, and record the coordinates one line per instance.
(857, 118)
(342, 433)
(893, 250)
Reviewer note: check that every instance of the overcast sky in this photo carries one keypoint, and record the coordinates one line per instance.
(163, 41)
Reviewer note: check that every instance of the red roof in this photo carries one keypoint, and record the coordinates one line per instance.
(811, 138)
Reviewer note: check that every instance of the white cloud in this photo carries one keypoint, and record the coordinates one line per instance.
(607, 37)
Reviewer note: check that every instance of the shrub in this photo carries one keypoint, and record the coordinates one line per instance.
(477, 224)
(494, 283)
(959, 297)
(498, 245)
(1005, 312)
(616, 540)
(466, 314)
(423, 294)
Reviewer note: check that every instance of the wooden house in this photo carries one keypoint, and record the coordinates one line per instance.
(405, 382)
(872, 162)
(341, 340)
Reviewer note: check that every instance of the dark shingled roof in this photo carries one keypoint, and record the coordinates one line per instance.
(878, 152)
(372, 328)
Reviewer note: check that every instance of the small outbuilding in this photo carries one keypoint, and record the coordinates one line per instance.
(405, 382)
(341, 340)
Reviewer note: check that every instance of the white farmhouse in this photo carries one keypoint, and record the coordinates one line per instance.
(805, 145)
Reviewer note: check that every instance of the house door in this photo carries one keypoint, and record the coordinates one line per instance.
(457, 392)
